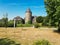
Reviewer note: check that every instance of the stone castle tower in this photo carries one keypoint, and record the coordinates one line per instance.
(28, 16)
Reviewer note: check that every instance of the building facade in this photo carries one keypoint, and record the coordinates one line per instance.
(19, 20)
(28, 16)
(29, 19)
(34, 19)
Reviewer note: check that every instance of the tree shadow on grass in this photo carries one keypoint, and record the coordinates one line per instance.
(56, 31)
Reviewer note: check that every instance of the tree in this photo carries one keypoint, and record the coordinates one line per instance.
(5, 20)
(39, 19)
(11, 23)
(53, 11)
(1, 23)
(58, 17)
(50, 8)
(45, 21)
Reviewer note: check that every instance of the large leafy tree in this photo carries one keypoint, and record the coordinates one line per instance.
(39, 19)
(50, 8)
(53, 11)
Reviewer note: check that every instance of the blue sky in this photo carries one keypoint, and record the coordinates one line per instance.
(18, 7)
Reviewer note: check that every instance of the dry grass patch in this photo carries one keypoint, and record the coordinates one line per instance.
(27, 35)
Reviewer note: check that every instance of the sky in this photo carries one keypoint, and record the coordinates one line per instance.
(18, 8)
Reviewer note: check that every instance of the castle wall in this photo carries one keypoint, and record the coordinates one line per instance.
(28, 17)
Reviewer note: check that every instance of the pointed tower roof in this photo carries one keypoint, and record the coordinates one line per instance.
(28, 10)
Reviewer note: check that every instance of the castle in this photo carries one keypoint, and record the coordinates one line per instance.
(28, 17)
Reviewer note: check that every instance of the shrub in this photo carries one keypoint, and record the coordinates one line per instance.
(36, 25)
(5, 41)
(11, 23)
(20, 25)
(19, 21)
(24, 25)
(1, 24)
(41, 42)
(29, 22)
(27, 25)
(40, 24)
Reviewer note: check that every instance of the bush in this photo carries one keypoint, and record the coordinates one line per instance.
(1, 24)
(36, 25)
(29, 22)
(24, 25)
(45, 24)
(11, 23)
(20, 25)
(41, 42)
(5, 41)
(27, 25)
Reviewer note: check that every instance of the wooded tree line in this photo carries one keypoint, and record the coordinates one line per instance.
(53, 11)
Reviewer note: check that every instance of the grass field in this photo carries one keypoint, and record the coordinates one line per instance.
(27, 35)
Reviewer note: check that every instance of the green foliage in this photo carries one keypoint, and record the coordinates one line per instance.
(40, 24)
(39, 19)
(42, 42)
(11, 23)
(45, 21)
(28, 25)
(24, 25)
(36, 25)
(5, 41)
(29, 22)
(19, 21)
(5, 21)
(20, 25)
(1, 24)
(53, 11)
